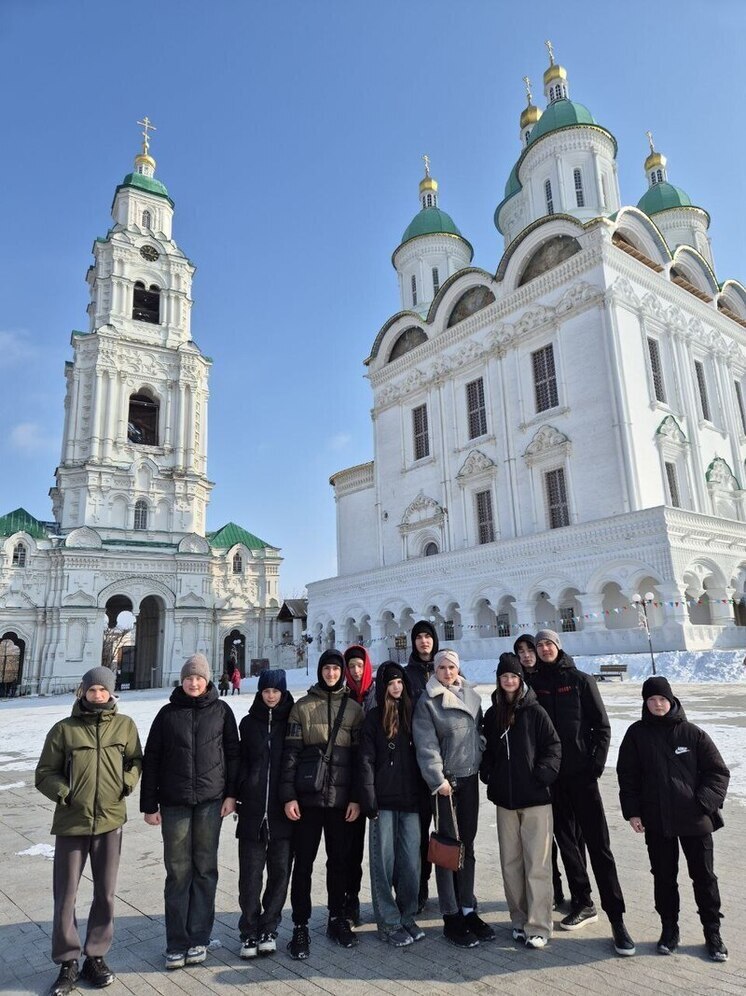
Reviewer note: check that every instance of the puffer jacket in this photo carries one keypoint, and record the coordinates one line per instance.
(418, 671)
(447, 733)
(90, 763)
(671, 775)
(309, 727)
(262, 734)
(191, 754)
(519, 765)
(389, 775)
(575, 707)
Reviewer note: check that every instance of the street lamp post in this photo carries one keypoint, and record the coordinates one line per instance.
(641, 603)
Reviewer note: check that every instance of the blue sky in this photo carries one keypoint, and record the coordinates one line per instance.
(290, 135)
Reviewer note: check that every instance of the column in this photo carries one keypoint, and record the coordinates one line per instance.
(593, 606)
(721, 607)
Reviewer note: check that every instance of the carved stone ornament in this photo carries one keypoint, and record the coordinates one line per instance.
(423, 511)
(720, 476)
(192, 543)
(671, 430)
(476, 463)
(84, 538)
(623, 292)
(548, 441)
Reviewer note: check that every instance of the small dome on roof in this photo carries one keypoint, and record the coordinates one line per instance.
(661, 197)
(430, 221)
(561, 114)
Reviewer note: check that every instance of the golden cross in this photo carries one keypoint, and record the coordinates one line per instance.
(147, 126)
(527, 82)
(426, 160)
(650, 140)
(550, 49)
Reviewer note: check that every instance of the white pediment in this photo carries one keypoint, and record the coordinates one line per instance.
(83, 538)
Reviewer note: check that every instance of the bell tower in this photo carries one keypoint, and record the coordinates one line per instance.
(134, 446)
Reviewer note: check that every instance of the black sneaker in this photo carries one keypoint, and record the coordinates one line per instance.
(267, 942)
(415, 931)
(299, 945)
(456, 932)
(579, 917)
(669, 939)
(400, 938)
(97, 972)
(352, 910)
(716, 950)
(338, 930)
(481, 930)
(249, 948)
(623, 943)
(67, 979)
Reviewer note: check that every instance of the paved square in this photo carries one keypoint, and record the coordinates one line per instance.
(577, 963)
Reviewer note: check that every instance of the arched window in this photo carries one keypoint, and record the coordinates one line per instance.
(146, 303)
(429, 200)
(147, 220)
(237, 563)
(142, 420)
(548, 195)
(436, 280)
(431, 549)
(578, 181)
(424, 203)
(141, 514)
(19, 555)
(414, 289)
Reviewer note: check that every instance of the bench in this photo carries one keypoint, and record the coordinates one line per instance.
(608, 671)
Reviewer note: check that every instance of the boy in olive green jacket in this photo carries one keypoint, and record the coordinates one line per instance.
(90, 762)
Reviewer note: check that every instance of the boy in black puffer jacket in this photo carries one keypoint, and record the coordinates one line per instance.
(672, 784)
(264, 832)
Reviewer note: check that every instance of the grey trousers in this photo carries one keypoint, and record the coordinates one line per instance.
(70, 855)
(525, 837)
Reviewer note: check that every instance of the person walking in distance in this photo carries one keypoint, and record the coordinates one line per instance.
(90, 763)
(574, 704)
(672, 785)
(319, 789)
(419, 670)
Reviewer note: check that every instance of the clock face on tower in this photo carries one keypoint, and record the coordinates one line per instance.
(150, 253)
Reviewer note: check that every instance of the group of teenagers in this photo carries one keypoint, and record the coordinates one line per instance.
(403, 753)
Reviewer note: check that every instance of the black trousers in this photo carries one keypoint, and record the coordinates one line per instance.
(306, 839)
(357, 850)
(262, 913)
(576, 804)
(664, 867)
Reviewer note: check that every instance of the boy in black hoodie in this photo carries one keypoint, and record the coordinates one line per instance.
(672, 785)
(264, 832)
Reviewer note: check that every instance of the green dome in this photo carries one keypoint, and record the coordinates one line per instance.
(561, 114)
(430, 221)
(661, 197)
(147, 183)
(514, 184)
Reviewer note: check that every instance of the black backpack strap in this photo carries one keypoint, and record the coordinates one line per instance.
(335, 729)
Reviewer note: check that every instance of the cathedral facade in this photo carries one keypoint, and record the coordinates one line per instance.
(126, 573)
(560, 443)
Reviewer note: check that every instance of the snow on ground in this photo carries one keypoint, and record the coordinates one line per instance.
(698, 679)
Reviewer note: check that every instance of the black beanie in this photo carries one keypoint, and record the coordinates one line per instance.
(657, 685)
(509, 664)
(331, 657)
(424, 626)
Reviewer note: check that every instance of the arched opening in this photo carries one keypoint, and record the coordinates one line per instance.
(471, 301)
(142, 419)
(19, 555)
(237, 563)
(146, 303)
(619, 613)
(507, 620)
(351, 631)
(431, 549)
(12, 654)
(654, 605)
(545, 612)
(141, 514)
(410, 338)
(485, 619)
(452, 626)
(149, 643)
(147, 220)
(365, 632)
(234, 652)
(118, 649)
(570, 611)
(549, 254)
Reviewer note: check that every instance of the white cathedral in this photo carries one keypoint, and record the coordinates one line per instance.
(126, 574)
(561, 442)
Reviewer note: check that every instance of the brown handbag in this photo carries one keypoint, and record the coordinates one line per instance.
(444, 850)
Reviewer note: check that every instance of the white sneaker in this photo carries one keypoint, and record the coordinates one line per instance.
(196, 955)
(249, 948)
(536, 941)
(175, 959)
(268, 943)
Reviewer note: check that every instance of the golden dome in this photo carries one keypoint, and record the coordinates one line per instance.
(655, 160)
(529, 115)
(554, 72)
(143, 159)
(427, 183)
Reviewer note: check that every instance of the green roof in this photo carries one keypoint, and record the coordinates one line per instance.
(561, 114)
(430, 221)
(146, 183)
(21, 521)
(230, 534)
(661, 197)
(514, 184)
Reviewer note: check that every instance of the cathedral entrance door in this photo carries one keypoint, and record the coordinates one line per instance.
(118, 650)
(12, 652)
(150, 622)
(234, 652)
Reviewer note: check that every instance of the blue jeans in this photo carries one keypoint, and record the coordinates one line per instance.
(253, 856)
(394, 846)
(190, 851)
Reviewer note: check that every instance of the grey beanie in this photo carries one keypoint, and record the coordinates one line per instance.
(197, 665)
(98, 676)
(549, 634)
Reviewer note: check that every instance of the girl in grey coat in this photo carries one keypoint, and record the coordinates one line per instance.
(446, 727)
